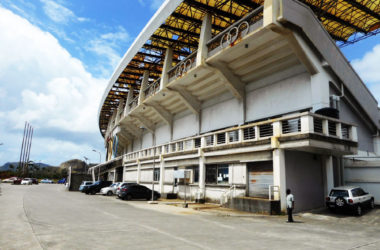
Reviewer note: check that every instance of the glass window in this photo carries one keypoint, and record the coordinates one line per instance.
(156, 175)
(195, 170)
(211, 174)
(336, 193)
(223, 174)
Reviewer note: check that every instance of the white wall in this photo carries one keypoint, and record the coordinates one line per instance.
(147, 140)
(130, 176)
(162, 134)
(136, 144)
(221, 112)
(237, 173)
(169, 175)
(146, 175)
(184, 126)
(281, 97)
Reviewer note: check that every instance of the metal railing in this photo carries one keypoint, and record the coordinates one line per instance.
(152, 88)
(133, 103)
(236, 31)
(183, 66)
(290, 125)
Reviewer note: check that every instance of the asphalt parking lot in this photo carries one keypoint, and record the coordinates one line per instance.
(48, 217)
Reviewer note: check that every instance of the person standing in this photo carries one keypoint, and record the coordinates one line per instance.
(289, 205)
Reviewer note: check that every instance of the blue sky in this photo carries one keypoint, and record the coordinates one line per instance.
(55, 61)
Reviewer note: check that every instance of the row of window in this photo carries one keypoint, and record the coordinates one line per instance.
(215, 174)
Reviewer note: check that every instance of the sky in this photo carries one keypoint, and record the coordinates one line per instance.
(56, 58)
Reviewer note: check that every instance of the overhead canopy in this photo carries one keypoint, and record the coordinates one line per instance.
(347, 21)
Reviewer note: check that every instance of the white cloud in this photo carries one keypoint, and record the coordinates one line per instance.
(59, 13)
(42, 83)
(368, 69)
(153, 4)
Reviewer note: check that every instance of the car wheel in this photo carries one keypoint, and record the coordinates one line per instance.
(340, 202)
(128, 197)
(109, 193)
(359, 210)
(372, 204)
(93, 192)
(155, 197)
(86, 192)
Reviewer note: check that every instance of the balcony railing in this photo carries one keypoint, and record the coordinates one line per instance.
(133, 103)
(152, 88)
(296, 124)
(183, 66)
(237, 31)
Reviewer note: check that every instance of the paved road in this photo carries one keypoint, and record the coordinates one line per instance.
(47, 217)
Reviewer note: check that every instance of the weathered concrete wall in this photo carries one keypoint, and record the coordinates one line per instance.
(162, 134)
(305, 179)
(237, 174)
(186, 124)
(286, 95)
(130, 176)
(147, 140)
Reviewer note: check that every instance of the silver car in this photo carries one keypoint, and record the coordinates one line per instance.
(111, 190)
(349, 198)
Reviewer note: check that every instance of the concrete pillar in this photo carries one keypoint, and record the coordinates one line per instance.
(93, 174)
(168, 64)
(307, 124)
(329, 173)
(205, 36)
(144, 85)
(129, 99)
(202, 176)
(114, 175)
(162, 176)
(376, 145)
(138, 172)
(279, 176)
(277, 128)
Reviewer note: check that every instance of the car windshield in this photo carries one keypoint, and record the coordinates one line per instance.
(336, 193)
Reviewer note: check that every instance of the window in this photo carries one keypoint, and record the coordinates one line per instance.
(156, 175)
(233, 135)
(217, 174)
(195, 171)
(336, 193)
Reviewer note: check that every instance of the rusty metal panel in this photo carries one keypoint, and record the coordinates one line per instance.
(260, 177)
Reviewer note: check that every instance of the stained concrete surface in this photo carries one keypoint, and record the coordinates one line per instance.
(48, 217)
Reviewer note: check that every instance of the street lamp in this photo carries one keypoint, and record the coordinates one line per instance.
(86, 161)
(100, 160)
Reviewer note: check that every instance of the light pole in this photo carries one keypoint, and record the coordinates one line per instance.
(100, 160)
(86, 161)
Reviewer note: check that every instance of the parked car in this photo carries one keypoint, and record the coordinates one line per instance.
(137, 191)
(350, 198)
(111, 190)
(95, 187)
(47, 181)
(17, 181)
(123, 184)
(9, 180)
(34, 181)
(26, 181)
(84, 183)
(62, 181)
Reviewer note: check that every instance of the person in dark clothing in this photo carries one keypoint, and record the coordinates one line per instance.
(289, 205)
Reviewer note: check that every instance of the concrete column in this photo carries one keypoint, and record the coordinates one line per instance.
(202, 175)
(329, 173)
(168, 64)
(376, 145)
(144, 85)
(129, 99)
(138, 172)
(353, 133)
(93, 175)
(279, 176)
(114, 176)
(277, 128)
(307, 124)
(205, 36)
(162, 176)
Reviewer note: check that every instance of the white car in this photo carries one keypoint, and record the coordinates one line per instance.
(349, 198)
(111, 190)
(26, 181)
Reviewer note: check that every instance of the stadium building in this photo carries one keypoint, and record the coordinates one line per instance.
(250, 97)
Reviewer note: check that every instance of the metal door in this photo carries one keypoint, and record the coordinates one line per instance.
(260, 177)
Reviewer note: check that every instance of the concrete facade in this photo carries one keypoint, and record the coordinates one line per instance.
(251, 102)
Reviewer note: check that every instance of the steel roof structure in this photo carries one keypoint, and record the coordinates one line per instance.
(177, 24)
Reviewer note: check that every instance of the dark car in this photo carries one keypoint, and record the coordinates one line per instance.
(95, 188)
(34, 181)
(17, 181)
(62, 181)
(137, 191)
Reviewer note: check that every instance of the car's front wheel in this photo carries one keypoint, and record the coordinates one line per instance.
(109, 193)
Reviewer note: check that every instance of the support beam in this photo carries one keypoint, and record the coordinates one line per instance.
(138, 172)
(279, 176)
(230, 81)
(167, 66)
(146, 123)
(144, 85)
(329, 173)
(202, 176)
(190, 101)
(165, 115)
(129, 100)
(205, 36)
(162, 176)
